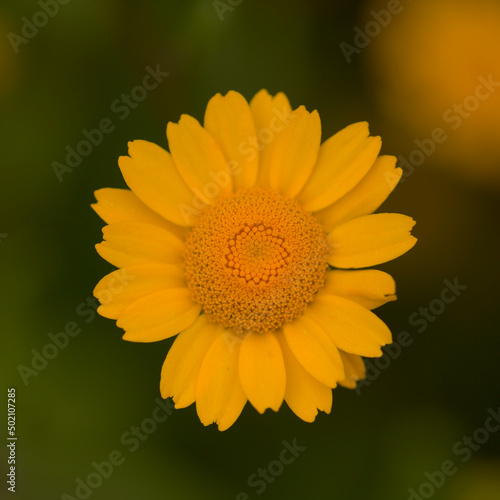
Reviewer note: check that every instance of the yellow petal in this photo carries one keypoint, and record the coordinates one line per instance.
(199, 159)
(122, 287)
(354, 369)
(262, 371)
(351, 327)
(180, 370)
(129, 243)
(314, 350)
(304, 394)
(370, 240)
(271, 115)
(219, 395)
(370, 288)
(230, 122)
(151, 174)
(122, 205)
(365, 197)
(343, 160)
(295, 152)
(159, 315)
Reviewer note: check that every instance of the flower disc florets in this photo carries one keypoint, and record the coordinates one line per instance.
(255, 259)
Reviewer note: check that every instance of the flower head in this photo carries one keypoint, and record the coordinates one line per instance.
(238, 241)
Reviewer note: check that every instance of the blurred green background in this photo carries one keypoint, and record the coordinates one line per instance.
(390, 63)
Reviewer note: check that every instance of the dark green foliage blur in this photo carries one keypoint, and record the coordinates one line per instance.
(80, 407)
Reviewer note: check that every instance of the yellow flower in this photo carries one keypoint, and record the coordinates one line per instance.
(238, 240)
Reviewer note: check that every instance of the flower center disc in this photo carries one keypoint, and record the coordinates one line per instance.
(255, 259)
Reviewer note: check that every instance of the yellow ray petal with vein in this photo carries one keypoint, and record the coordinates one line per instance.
(295, 152)
(271, 115)
(219, 395)
(262, 371)
(343, 160)
(354, 369)
(159, 315)
(314, 350)
(304, 394)
(122, 205)
(370, 240)
(199, 159)
(129, 243)
(370, 288)
(180, 370)
(365, 197)
(351, 327)
(230, 122)
(122, 287)
(151, 174)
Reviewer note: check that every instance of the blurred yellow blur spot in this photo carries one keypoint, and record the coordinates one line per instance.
(436, 65)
